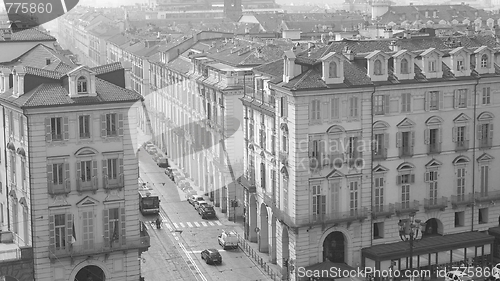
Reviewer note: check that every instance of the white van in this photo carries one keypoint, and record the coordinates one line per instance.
(228, 240)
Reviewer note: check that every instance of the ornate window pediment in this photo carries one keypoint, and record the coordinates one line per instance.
(405, 166)
(380, 169)
(485, 116)
(335, 129)
(335, 174)
(87, 201)
(462, 118)
(461, 160)
(23, 202)
(380, 125)
(406, 123)
(433, 164)
(434, 120)
(485, 157)
(86, 151)
(284, 171)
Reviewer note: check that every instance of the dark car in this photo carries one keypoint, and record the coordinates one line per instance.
(207, 212)
(211, 256)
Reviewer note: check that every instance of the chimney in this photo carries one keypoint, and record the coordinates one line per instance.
(289, 66)
(7, 34)
(127, 67)
(470, 30)
(407, 34)
(388, 32)
(4, 80)
(348, 53)
(394, 46)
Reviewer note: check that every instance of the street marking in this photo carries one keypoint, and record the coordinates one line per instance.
(197, 224)
(189, 224)
(192, 261)
(218, 222)
(175, 225)
(211, 223)
(182, 225)
(204, 223)
(199, 252)
(169, 227)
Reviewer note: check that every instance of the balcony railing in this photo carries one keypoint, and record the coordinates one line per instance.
(110, 184)
(380, 154)
(462, 145)
(407, 207)
(316, 219)
(461, 200)
(60, 189)
(383, 211)
(484, 196)
(143, 242)
(91, 185)
(435, 203)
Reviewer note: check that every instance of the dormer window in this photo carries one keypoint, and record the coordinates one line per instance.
(432, 66)
(460, 63)
(404, 66)
(484, 61)
(82, 85)
(378, 67)
(333, 70)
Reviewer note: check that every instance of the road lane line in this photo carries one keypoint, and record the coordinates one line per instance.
(192, 261)
(218, 222)
(175, 225)
(197, 224)
(182, 225)
(204, 223)
(189, 224)
(211, 223)
(199, 251)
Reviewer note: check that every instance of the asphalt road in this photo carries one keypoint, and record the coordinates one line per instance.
(175, 249)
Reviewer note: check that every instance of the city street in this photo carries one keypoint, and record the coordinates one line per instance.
(175, 249)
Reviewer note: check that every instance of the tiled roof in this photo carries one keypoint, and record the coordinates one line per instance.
(54, 94)
(38, 55)
(107, 68)
(31, 34)
(273, 69)
(119, 39)
(181, 64)
(43, 72)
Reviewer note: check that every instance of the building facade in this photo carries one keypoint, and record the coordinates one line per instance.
(368, 134)
(72, 170)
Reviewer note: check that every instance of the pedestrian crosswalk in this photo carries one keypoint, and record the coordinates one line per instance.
(180, 225)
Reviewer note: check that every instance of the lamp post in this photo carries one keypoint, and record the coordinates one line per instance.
(409, 230)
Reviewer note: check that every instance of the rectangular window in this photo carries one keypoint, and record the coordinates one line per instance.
(460, 65)
(484, 180)
(433, 187)
(263, 175)
(434, 141)
(11, 123)
(379, 194)
(88, 230)
(380, 146)
(13, 167)
(56, 128)
(353, 197)
(432, 66)
(459, 218)
(434, 100)
(60, 231)
(353, 107)
(112, 169)
(114, 224)
(285, 195)
(21, 126)
(84, 126)
(486, 96)
(335, 108)
(485, 135)
(378, 104)
(86, 171)
(318, 203)
(406, 102)
(378, 230)
(335, 200)
(111, 124)
(316, 110)
(461, 138)
(58, 174)
(405, 196)
(406, 143)
(461, 184)
(461, 98)
(352, 147)
(284, 107)
(483, 215)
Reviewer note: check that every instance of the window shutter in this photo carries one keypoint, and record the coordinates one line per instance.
(78, 173)
(120, 124)
(105, 220)
(427, 101)
(49, 177)
(52, 235)
(454, 134)
(412, 178)
(426, 136)
(387, 104)
(412, 134)
(398, 179)
(479, 131)
(66, 128)
(440, 95)
(94, 171)
(67, 181)
(105, 172)
(426, 177)
(321, 151)
(455, 99)
(490, 135)
(440, 135)
(48, 131)
(469, 99)
(21, 126)
(466, 133)
(398, 139)
(311, 147)
(69, 228)
(121, 176)
(386, 142)
(123, 229)
(103, 126)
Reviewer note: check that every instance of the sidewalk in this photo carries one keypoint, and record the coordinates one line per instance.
(249, 248)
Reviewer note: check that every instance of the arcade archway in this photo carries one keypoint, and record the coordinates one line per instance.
(433, 227)
(90, 273)
(334, 247)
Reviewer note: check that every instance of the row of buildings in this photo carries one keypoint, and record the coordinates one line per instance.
(69, 205)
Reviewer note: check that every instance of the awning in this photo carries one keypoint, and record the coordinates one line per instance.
(495, 231)
(427, 245)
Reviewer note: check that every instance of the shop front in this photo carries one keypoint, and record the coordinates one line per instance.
(431, 253)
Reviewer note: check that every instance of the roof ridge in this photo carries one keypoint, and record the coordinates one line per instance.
(308, 72)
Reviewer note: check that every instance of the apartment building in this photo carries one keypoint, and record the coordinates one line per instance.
(365, 134)
(71, 171)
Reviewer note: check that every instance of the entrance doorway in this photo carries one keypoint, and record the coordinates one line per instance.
(90, 273)
(433, 227)
(334, 247)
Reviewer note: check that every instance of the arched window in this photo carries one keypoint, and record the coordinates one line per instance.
(81, 85)
(333, 70)
(404, 66)
(378, 67)
(484, 61)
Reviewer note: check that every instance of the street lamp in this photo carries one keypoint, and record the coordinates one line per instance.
(409, 230)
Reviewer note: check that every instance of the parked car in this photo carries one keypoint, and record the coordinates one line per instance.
(149, 146)
(211, 256)
(207, 212)
(228, 240)
(162, 162)
(458, 275)
(198, 204)
(195, 197)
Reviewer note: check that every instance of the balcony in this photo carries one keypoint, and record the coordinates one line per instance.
(407, 207)
(435, 203)
(486, 196)
(249, 185)
(110, 184)
(83, 186)
(269, 199)
(383, 211)
(323, 219)
(380, 154)
(60, 189)
(461, 200)
(462, 145)
(141, 243)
